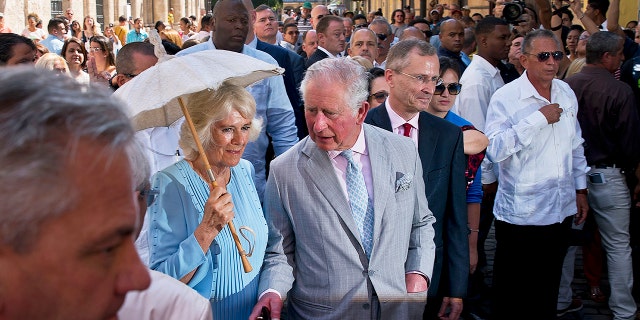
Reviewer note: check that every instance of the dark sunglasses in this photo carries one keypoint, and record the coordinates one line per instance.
(149, 196)
(382, 36)
(544, 56)
(454, 88)
(293, 32)
(363, 25)
(380, 95)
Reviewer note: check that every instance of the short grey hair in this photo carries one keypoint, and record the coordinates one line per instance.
(210, 106)
(398, 57)
(383, 22)
(600, 43)
(527, 42)
(140, 166)
(343, 71)
(43, 118)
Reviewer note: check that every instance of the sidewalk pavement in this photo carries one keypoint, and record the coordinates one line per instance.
(591, 309)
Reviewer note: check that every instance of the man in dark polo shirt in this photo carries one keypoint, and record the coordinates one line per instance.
(610, 126)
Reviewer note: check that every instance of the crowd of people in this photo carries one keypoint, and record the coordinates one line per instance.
(369, 173)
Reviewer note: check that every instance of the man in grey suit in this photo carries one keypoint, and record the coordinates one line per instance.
(334, 252)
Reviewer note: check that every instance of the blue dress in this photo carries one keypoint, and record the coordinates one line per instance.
(177, 212)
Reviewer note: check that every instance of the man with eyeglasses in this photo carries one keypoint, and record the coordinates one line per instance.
(382, 29)
(55, 40)
(290, 37)
(613, 150)
(481, 79)
(413, 75)
(535, 138)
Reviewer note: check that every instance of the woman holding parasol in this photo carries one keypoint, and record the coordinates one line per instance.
(189, 236)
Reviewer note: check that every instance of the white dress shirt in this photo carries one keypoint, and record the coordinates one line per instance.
(397, 121)
(541, 164)
(166, 298)
(479, 81)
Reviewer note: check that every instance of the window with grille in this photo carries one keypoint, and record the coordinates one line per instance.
(100, 13)
(56, 8)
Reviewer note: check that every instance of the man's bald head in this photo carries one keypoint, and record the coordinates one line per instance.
(412, 32)
(452, 35)
(317, 13)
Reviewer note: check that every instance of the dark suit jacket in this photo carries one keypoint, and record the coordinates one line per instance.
(294, 71)
(441, 151)
(316, 56)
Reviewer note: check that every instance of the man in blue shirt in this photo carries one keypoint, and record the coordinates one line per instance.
(230, 26)
(137, 34)
(55, 40)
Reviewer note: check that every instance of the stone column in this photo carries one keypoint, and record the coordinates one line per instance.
(160, 10)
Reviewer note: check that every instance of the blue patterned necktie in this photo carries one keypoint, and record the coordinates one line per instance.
(361, 205)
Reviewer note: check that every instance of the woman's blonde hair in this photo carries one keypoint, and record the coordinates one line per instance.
(173, 36)
(210, 106)
(575, 67)
(48, 62)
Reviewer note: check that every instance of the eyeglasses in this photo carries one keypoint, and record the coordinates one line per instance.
(380, 96)
(453, 88)
(149, 196)
(95, 49)
(382, 36)
(423, 78)
(319, 17)
(363, 25)
(129, 75)
(544, 56)
(293, 32)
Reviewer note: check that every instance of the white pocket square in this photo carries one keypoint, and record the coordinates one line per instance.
(403, 182)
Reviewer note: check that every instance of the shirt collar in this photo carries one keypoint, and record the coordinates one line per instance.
(527, 90)
(327, 52)
(484, 64)
(359, 147)
(253, 43)
(397, 120)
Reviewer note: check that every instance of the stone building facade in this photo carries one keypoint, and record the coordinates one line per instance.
(103, 11)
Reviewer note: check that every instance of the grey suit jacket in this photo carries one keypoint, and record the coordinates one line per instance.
(314, 253)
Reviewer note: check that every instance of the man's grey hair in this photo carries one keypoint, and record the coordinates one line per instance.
(375, 37)
(382, 22)
(345, 72)
(398, 57)
(600, 43)
(227, 98)
(527, 42)
(43, 119)
(140, 166)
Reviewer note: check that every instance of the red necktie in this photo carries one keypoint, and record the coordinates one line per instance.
(407, 129)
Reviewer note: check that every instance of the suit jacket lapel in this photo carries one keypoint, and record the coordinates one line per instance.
(381, 172)
(380, 118)
(320, 171)
(427, 138)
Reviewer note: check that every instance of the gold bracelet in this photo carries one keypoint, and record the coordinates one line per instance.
(581, 17)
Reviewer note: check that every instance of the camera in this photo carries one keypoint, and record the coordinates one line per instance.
(513, 10)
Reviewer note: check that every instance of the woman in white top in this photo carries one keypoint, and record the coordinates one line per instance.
(31, 31)
(76, 56)
(89, 30)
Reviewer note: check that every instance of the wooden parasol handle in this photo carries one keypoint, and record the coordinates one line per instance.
(212, 179)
